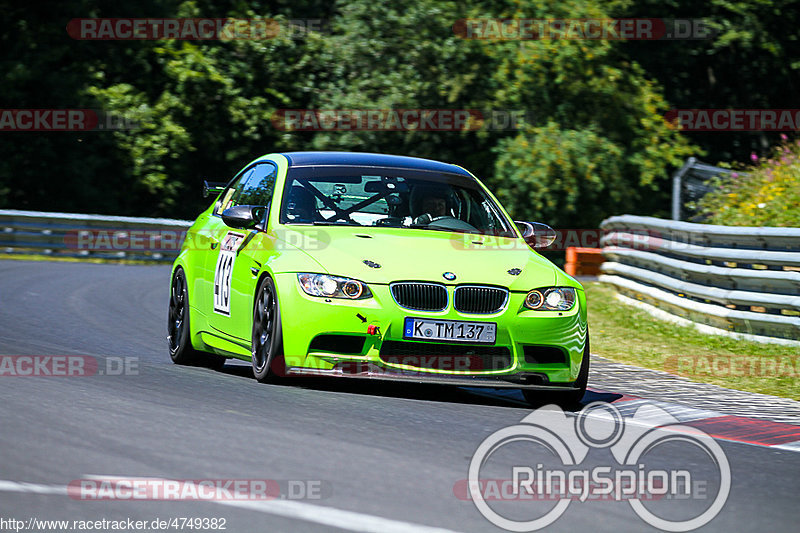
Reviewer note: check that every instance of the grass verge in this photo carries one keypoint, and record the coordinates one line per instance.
(629, 335)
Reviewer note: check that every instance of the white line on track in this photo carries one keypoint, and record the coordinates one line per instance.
(308, 512)
(31, 488)
(329, 516)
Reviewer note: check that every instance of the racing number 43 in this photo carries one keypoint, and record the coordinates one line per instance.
(224, 271)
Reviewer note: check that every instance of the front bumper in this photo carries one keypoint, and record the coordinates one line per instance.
(519, 380)
(511, 361)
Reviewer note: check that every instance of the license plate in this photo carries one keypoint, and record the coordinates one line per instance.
(449, 330)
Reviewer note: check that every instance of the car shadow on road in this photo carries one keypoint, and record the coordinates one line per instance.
(511, 398)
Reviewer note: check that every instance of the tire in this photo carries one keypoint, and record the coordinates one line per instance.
(267, 338)
(564, 399)
(180, 345)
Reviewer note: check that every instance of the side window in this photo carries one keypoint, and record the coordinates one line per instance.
(254, 187)
(257, 187)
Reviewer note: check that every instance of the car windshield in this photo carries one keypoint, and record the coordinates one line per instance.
(399, 198)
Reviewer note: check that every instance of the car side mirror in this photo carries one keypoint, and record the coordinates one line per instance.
(536, 234)
(244, 216)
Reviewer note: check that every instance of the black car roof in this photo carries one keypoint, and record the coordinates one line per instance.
(363, 159)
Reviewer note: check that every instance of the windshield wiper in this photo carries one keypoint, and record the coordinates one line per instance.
(432, 228)
(329, 223)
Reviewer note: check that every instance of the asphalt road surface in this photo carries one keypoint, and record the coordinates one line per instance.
(345, 456)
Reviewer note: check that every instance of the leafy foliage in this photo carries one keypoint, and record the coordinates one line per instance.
(750, 61)
(767, 194)
(594, 142)
(604, 147)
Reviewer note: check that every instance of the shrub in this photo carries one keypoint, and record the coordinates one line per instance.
(766, 194)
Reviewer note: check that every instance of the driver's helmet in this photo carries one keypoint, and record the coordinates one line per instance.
(431, 199)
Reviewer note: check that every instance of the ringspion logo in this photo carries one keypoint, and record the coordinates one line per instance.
(518, 495)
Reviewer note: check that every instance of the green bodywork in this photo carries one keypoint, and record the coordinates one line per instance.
(282, 251)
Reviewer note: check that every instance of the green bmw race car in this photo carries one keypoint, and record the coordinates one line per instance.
(376, 266)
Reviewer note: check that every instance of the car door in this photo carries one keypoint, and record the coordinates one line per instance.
(206, 243)
(229, 265)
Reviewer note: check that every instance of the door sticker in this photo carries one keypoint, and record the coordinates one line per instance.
(224, 271)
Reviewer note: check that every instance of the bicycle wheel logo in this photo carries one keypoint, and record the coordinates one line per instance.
(634, 444)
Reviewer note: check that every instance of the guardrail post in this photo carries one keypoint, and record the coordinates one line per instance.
(677, 183)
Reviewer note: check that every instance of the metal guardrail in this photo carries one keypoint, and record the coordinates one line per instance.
(742, 279)
(91, 236)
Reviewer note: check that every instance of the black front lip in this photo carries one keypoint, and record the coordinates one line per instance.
(521, 380)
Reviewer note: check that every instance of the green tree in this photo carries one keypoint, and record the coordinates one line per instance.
(750, 60)
(210, 111)
(593, 143)
(597, 144)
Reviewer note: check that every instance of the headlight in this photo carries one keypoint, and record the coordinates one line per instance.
(551, 299)
(333, 287)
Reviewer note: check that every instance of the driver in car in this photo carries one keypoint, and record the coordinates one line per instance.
(435, 206)
(428, 203)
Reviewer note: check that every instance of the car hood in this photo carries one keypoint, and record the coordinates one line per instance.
(422, 255)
